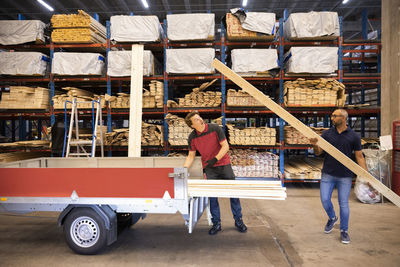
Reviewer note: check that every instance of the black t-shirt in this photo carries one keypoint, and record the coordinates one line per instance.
(57, 136)
(347, 142)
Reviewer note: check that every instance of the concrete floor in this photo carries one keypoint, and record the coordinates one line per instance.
(281, 233)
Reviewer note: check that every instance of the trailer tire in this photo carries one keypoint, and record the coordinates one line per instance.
(85, 231)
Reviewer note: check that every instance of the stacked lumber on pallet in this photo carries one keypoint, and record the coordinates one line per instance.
(79, 94)
(152, 135)
(250, 163)
(27, 144)
(22, 97)
(236, 189)
(178, 131)
(236, 30)
(308, 93)
(294, 137)
(16, 156)
(252, 136)
(77, 28)
(241, 99)
(303, 168)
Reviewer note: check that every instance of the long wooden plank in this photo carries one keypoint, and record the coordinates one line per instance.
(136, 95)
(305, 130)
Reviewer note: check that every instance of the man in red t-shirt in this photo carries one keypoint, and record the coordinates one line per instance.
(210, 141)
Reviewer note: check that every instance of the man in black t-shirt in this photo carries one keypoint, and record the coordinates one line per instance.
(210, 141)
(335, 173)
(57, 136)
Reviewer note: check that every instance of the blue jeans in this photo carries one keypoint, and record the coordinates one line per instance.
(343, 184)
(215, 213)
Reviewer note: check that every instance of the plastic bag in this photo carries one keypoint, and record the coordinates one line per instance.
(366, 193)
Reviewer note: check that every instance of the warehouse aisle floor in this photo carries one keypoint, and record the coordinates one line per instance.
(281, 233)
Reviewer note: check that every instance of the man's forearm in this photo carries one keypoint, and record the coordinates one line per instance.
(362, 163)
(188, 162)
(317, 150)
(222, 152)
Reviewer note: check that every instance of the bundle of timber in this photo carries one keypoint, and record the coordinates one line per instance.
(185, 27)
(14, 32)
(312, 60)
(308, 93)
(80, 95)
(178, 131)
(23, 63)
(119, 64)
(303, 168)
(254, 61)
(294, 137)
(252, 136)
(190, 60)
(237, 189)
(27, 144)
(152, 97)
(199, 98)
(22, 97)
(241, 99)
(250, 163)
(152, 135)
(16, 156)
(77, 28)
(176, 154)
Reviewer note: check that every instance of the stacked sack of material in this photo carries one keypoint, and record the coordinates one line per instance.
(250, 163)
(178, 131)
(252, 136)
(241, 99)
(22, 97)
(310, 93)
(77, 28)
(294, 137)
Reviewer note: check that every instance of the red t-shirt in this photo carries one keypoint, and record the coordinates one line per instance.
(208, 143)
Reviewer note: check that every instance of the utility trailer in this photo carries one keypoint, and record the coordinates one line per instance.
(94, 195)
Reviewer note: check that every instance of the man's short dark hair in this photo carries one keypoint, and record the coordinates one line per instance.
(189, 116)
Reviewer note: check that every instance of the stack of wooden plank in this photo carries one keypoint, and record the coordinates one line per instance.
(250, 163)
(235, 30)
(77, 28)
(16, 156)
(178, 131)
(80, 95)
(27, 144)
(236, 189)
(199, 98)
(22, 97)
(308, 93)
(303, 168)
(294, 137)
(252, 136)
(241, 99)
(152, 135)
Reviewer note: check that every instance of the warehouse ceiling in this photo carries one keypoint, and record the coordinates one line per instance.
(351, 11)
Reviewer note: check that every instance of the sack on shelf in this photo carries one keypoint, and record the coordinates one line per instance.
(13, 32)
(23, 63)
(254, 61)
(190, 27)
(135, 28)
(311, 60)
(190, 61)
(119, 64)
(68, 63)
(311, 25)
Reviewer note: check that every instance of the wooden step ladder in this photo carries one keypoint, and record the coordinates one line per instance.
(97, 122)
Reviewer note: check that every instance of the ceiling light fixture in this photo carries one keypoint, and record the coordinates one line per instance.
(345, 1)
(244, 3)
(144, 2)
(43, 3)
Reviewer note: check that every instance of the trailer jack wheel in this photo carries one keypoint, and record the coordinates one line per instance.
(85, 231)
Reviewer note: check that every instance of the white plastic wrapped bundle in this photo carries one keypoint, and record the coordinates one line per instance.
(135, 28)
(67, 63)
(190, 60)
(312, 60)
(311, 25)
(260, 22)
(254, 60)
(23, 63)
(197, 26)
(21, 31)
(119, 63)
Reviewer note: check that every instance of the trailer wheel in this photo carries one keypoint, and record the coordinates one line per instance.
(85, 231)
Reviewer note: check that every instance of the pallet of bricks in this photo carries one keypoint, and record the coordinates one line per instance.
(178, 131)
(241, 99)
(294, 137)
(311, 93)
(250, 163)
(198, 98)
(303, 168)
(152, 97)
(22, 97)
(252, 136)
(152, 135)
(77, 28)
(80, 95)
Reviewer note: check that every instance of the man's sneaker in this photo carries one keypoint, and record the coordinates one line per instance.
(215, 229)
(241, 227)
(329, 225)
(344, 237)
